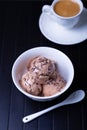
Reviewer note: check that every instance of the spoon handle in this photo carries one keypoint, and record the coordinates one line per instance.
(37, 114)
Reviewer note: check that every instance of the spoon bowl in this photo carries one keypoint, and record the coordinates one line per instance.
(75, 97)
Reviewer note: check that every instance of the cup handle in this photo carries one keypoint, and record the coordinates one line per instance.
(46, 9)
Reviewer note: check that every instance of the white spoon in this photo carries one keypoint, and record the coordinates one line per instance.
(73, 98)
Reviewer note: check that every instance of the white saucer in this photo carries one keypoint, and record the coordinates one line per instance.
(57, 34)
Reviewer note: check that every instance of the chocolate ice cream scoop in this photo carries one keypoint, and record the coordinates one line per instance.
(29, 84)
(51, 87)
(44, 68)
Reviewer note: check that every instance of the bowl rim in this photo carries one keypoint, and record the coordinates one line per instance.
(41, 98)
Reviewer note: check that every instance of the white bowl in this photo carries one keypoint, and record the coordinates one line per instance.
(65, 68)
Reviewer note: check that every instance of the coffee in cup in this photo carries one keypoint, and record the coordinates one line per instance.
(66, 8)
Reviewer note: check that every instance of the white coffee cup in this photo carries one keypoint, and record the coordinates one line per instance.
(68, 21)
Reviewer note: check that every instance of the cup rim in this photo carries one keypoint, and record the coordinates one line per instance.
(62, 17)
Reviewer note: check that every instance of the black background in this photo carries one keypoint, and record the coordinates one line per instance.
(19, 31)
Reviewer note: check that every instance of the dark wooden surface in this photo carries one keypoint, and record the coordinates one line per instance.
(19, 31)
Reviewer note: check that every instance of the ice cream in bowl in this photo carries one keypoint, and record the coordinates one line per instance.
(42, 73)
